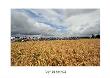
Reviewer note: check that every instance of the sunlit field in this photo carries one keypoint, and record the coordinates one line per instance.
(82, 52)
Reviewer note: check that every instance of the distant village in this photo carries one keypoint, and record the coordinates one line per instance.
(25, 38)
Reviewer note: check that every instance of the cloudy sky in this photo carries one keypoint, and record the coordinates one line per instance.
(55, 22)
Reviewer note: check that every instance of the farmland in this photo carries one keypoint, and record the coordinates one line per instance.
(81, 52)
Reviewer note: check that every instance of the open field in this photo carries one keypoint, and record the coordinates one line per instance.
(82, 52)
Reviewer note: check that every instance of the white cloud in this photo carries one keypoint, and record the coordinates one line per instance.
(44, 28)
(22, 23)
(86, 23)
(57, 22)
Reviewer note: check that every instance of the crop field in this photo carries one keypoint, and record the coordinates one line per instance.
(82, 52)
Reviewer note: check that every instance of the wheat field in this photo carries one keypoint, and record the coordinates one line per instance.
(82, 52)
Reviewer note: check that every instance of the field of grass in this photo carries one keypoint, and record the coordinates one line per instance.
(82, 52)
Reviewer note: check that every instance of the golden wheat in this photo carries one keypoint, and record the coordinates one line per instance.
(82, 52)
